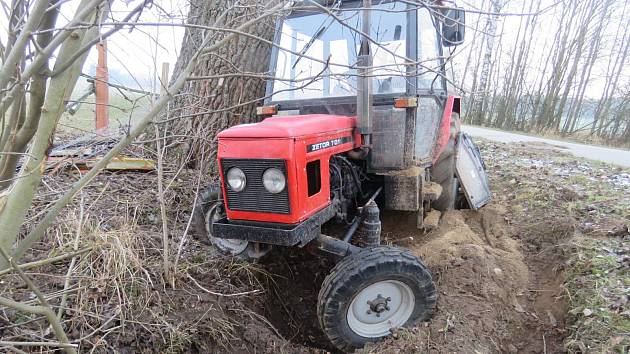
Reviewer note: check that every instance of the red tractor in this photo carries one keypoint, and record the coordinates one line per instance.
(360, 119)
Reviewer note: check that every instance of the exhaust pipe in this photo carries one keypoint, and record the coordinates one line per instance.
(364, 81)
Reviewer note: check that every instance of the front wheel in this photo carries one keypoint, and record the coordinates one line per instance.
(371, 292)
(209, 210)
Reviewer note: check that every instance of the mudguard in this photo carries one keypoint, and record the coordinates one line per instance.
(471, 172)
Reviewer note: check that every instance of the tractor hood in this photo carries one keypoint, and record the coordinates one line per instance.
(291, 126)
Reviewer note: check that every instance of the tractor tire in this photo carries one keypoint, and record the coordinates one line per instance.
(207, 197)
(460, 199)
(371, 292)
(209, 209)
(443, 172)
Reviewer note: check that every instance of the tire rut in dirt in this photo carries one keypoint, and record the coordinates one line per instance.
(291, 303)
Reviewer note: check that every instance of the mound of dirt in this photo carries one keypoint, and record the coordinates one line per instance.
(483, 278)
(476, 248)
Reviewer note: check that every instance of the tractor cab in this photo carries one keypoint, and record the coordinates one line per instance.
(315, 61)
(405, 104)
(360, 117)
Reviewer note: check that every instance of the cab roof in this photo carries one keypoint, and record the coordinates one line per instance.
(291, 126)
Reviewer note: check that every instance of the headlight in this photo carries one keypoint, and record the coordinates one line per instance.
(236, 179)
(274, 181)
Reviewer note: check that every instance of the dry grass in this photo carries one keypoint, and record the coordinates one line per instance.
(114, 297)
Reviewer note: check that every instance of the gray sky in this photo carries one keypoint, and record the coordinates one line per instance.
(136, 58)
(136, 55)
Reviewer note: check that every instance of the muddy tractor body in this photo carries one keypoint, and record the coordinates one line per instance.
(360, 118)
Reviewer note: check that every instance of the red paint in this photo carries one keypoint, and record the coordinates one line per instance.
(290, 126)
(287, 138)
(444, 133)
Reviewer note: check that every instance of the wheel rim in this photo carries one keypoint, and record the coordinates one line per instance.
(379, 307)
(231, 246)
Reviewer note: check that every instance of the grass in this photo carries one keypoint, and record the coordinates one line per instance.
(580, 180)
(123, 111)
(597, 281)
(596, 278)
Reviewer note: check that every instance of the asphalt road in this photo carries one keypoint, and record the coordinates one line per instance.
(614, 156)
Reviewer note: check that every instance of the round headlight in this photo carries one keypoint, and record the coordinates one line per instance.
(274, 181)
(236, 179)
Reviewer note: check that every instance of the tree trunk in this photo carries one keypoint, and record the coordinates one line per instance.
(588, 16)
(23, 191)
(208, 106)
(478, 105)
(576, 107)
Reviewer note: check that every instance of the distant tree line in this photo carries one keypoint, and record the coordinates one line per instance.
(559, 68)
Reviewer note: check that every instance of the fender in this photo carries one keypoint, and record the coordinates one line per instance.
(444, 133)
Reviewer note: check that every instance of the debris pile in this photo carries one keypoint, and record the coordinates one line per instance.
(84, 152)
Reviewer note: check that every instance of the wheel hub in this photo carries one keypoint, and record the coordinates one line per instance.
(378, 305)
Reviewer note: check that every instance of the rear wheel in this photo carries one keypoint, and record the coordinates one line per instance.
(460, 199)
(371, 292)
(443, 172)
(210, 209)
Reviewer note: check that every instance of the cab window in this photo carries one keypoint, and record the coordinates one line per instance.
(307, 41)
(428, 51)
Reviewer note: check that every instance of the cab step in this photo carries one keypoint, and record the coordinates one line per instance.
(432, 220)
(431, 191)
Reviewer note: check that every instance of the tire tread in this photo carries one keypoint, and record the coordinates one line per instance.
(362, 265)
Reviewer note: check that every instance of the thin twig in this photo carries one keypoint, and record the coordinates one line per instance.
(44, 309)
(39, 344)
(219, 294)
(46, 261)
(166, 263)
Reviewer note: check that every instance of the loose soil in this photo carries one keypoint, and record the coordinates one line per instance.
(494, 296)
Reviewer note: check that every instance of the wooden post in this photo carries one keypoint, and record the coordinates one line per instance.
(101, 88)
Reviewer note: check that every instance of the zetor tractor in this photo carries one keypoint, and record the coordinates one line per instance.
(359, 119)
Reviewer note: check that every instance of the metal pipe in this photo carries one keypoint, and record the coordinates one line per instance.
(334, 246)
(374, 195)
(365, 25)
(353, 228)
(364, 81)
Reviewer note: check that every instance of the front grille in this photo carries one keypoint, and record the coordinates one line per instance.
(255, 197)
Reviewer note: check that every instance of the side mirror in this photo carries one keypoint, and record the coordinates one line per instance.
(453, 27)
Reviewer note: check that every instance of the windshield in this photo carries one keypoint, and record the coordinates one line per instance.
(320, 37)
